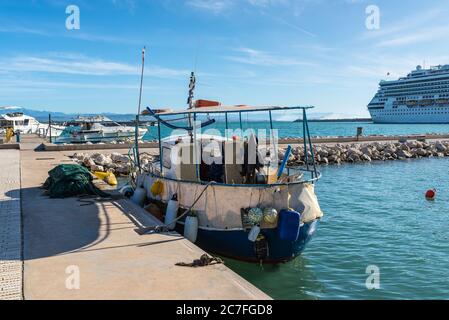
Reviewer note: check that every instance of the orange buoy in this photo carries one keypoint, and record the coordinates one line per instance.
(430, 194)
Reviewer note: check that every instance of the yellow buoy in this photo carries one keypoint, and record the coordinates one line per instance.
(157, 188)
(9, 134)
(101, 175)
(111, 179)
(107, 177)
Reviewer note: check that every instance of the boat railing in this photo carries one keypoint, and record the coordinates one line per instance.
(310, 163)
(291, 176)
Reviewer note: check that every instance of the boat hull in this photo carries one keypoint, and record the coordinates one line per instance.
(433, 114)
(234, 244)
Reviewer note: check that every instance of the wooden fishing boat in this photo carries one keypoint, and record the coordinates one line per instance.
(230, 194)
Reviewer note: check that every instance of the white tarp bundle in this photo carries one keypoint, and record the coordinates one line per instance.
(312, 210)
(220, 205)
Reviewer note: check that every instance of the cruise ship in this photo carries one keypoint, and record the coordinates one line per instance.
(421, 97)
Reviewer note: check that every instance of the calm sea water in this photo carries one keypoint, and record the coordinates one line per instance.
(290, 129)
(375, 214)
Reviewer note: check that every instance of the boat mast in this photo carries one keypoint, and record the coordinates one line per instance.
(141, 81)
(192, 124)
(136, 133)
(190, 100)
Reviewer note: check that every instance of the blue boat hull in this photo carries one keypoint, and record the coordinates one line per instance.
(235, 244)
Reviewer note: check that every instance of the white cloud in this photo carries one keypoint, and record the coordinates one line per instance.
(267, 3)
(219, 6)
(215, 6)
(407, 25)
(261, 58)
(38, 84)
(21, 29)
(421, 27)
(76, 64)
(423, 35)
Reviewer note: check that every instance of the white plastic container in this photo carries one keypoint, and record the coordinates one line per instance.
(139, 196)
(191, 228)
(254, 233)
(172, 212)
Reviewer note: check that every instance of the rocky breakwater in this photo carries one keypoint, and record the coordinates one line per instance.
(114, 162)
(367, 152)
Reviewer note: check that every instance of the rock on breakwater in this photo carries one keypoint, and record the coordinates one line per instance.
(114, 162)
(367, 152)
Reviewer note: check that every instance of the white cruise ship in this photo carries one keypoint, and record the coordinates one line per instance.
(421, 97)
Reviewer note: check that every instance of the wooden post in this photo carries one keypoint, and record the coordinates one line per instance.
(49, 127)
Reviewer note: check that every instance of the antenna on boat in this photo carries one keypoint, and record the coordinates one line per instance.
(136, 147)
(141, 81)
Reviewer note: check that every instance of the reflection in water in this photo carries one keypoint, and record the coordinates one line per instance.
(298, 280)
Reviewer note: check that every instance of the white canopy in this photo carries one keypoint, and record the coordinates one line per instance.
(228, 109)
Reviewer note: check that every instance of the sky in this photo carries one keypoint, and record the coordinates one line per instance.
(325, 53)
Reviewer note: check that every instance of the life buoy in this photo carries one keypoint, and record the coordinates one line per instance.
(157, 188)
(431, 194)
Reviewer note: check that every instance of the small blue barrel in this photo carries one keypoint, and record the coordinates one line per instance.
(289, 225)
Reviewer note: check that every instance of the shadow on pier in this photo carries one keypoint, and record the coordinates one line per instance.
(53, 227)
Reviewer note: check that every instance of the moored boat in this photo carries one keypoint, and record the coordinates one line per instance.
(98, 129)
(19, 122)
(245, 205)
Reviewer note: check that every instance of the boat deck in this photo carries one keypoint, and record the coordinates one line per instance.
(64, 239)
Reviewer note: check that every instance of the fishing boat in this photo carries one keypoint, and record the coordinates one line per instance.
(98, 129)
(242, 204)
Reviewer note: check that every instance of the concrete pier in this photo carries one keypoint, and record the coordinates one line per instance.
(76, 249)
(11, 266)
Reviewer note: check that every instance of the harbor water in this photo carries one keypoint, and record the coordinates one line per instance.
(375, 215)
(323, 129)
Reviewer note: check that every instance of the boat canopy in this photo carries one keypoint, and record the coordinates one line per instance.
(229, 109)
(196, 169)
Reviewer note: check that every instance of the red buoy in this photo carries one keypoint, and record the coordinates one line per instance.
(430, 194)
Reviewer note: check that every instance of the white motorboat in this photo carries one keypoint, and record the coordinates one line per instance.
(19, 122)
(98, 129)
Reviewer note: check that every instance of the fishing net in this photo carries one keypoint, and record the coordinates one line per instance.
(70, 180)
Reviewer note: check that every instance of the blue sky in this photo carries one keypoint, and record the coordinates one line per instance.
(288, 52)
